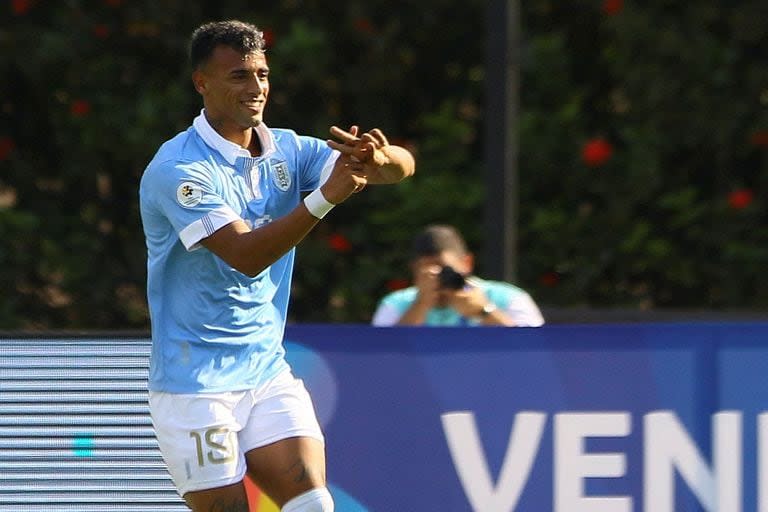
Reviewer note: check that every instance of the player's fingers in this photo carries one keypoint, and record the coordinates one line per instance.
(360, 181)
(365, 150)
(355, 153)
(347, 137)
(379, 137)
(367, 137)
(344, 149)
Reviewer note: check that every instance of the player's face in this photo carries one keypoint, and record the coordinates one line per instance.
(234, 87)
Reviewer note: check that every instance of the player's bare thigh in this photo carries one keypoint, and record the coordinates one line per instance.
(230, 498)
(282, 470)
(288, 467)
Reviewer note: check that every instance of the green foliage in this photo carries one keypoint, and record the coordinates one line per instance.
(664, 210)
(678, 92)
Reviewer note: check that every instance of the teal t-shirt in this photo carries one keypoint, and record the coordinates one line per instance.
(515, 301)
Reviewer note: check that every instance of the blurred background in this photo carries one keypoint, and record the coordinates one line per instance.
(641, 134)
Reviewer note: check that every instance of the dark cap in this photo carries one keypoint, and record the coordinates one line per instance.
(436, 239)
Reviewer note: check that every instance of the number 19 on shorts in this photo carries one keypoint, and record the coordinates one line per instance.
(214, 446)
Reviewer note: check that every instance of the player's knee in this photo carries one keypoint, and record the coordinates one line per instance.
(316, 500)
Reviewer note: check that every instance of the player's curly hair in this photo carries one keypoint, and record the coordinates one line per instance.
(238, 35)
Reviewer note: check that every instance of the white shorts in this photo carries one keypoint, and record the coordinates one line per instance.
(203, 437)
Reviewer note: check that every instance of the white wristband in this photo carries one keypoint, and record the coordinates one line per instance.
(317, 204)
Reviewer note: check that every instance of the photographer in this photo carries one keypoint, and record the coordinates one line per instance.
(445, 293)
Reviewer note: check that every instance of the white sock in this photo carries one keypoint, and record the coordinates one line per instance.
(315, 500)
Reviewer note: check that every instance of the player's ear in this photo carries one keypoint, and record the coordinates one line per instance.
(199, 80)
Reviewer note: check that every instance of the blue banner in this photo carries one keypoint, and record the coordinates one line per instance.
(598, 418)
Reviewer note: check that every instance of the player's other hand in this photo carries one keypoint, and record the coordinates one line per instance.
(347, 177)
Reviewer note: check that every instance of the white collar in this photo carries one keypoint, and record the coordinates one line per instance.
(229, 150)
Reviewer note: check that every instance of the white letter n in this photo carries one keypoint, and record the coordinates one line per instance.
(668, 447)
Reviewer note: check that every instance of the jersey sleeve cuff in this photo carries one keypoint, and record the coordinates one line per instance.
(206, 226)
(328, 167)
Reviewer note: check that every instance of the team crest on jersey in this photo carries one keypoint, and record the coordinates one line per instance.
(280, 175)
(189, 194)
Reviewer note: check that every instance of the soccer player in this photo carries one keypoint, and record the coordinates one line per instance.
(222, 211)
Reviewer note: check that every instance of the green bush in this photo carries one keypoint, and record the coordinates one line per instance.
(672, 216)
(643, 137)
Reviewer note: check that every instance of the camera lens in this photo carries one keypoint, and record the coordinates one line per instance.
(450, 279)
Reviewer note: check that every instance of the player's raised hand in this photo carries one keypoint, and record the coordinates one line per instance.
(382, 162)
(367, 148)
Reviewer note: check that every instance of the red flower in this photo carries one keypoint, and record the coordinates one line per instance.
(80, 108)
(339, 243)
(612, 7)
(596, 152)
(20, 6)
(549, 279)
(269, 38)
(6, 147)
(364, 26)
(740, 198)
(397, 284)
(759, 138)
(101, 31)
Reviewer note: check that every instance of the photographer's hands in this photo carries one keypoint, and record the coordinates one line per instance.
(470, 301)
(427, 283)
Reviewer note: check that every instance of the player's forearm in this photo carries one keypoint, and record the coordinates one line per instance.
(251, 251)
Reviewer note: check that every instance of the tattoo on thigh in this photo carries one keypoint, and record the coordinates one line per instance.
(300, 471)
(223, 505)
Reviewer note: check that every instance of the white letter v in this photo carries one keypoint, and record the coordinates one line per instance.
(472, 466)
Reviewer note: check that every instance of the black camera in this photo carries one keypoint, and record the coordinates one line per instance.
(450, 279)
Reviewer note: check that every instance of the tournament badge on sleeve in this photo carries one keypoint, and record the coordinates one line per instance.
(189, 194)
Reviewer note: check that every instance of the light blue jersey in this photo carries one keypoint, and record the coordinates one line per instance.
(515, 302)
(215, 329)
